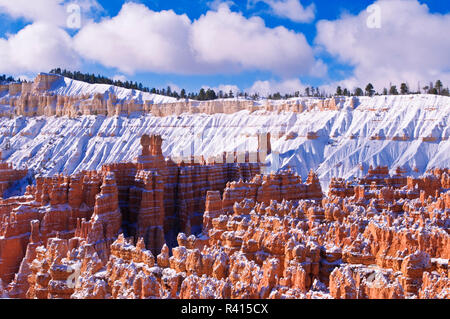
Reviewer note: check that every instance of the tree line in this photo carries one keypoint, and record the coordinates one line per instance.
(208, 94)
(8, 79)
(436, 88)
(202, 95)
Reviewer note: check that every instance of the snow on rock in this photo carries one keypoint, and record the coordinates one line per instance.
(68, 87)
(409, 131)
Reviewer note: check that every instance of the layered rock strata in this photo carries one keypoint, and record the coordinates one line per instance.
(333, 247)
(159, 229)
(37, 99)
(153, 199)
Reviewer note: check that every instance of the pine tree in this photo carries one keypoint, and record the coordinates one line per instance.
(339, 91)
(359, 92)
(393, 90)
(404, 89)
(202, 94)
(277, 96)
(210, 95)
(438, 86)
(307, 92)
(433, 91)
(346, 92)
(369, 89)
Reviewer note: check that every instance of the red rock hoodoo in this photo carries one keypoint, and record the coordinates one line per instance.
(158, 229)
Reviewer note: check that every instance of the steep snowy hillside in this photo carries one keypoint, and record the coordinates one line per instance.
(69, 87)
(407, 131)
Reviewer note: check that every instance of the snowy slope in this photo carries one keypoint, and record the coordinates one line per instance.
(69, 87)
(53, 145)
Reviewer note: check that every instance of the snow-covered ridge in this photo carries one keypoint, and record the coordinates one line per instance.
(69, 87)
(408, 131)
(51, 94)
(52, 84)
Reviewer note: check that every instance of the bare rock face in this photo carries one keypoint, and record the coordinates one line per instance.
(19, 286)
(213, 209)
(277, 187)
(106, 221)
(159, 198)
(43, 82)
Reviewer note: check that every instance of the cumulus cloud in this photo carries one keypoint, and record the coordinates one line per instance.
(119, 77)
(44, 43)
(216, 4)
(38, 47)
(228, 39)
(174, 87)
(139, 39)
(225, 88)
(411, 44)
(219, 41)
(264, 88)
(290, 9)
(48, 11)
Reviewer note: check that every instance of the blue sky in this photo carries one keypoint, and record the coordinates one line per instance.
(348, 58)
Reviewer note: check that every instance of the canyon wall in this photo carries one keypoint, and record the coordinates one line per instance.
(36, 99)
(152, 198)
(267, 237)
(160, 227)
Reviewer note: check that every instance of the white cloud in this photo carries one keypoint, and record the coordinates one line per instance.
(225, 88)
(43, 44)
(228, 40)
(412, 44)
(119, 77)
(290, 9)
(38, 47)
(219, 41)
(174, 87)
(25, 78)
(264, 88)
(139, 39)
(216, 4)
(48, 11)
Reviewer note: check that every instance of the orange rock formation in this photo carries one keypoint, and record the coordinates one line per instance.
(157, 229)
